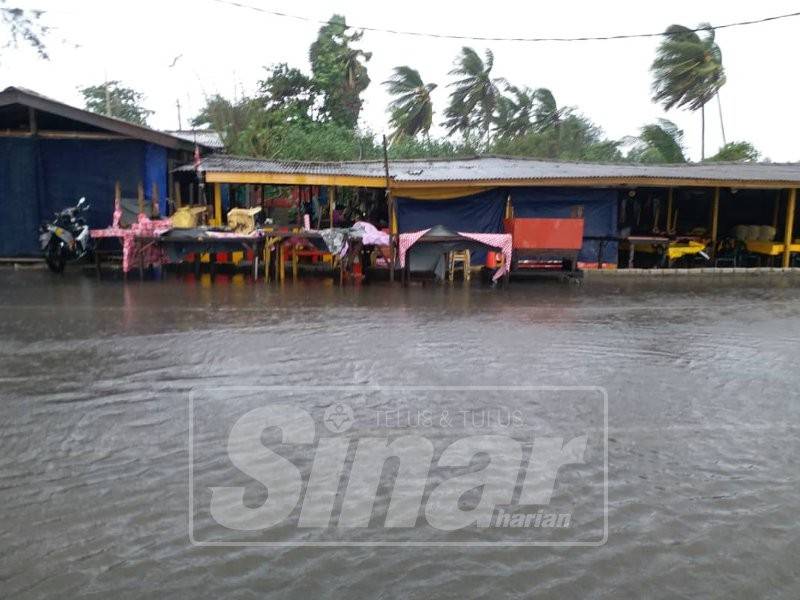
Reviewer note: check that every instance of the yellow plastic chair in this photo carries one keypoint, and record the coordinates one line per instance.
(458, 258)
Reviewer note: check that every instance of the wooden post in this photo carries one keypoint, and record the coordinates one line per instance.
(787, 235)
(140, 197)
(669, 210)
(117, 195)
(714, 222)
(154, 201)
(776, 209)
(390, 208)
(331, 202)
(217, 221)
(32, 122)
(178, 200)
(509, 208)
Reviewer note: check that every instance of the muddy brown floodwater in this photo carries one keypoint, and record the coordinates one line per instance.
(704, 429)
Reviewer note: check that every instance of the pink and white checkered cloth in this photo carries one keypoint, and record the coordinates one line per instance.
(144, 227)
(494, 240)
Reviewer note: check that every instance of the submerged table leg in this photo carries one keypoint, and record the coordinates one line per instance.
(254, 250)
(294, 262)
(281, 262)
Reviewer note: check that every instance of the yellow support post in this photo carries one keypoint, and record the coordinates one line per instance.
(714, 222)
(217, 221)
(787, 235)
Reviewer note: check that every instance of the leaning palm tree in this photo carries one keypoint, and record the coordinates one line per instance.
(475, 94)
(660, 142)
(547, 114)
(514, 117)
(548, 119)
(411, 110)
(688, 71)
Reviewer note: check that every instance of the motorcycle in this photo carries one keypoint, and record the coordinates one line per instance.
(66, 238)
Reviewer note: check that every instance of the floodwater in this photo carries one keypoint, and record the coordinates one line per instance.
(704, 429)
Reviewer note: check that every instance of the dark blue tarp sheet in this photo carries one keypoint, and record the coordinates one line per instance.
(19, 210)
(75, 168)
(478, 213)
(40, 177)
(599, 213)
(155, 171)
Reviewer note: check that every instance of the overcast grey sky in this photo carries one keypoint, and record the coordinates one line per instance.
(223, 49)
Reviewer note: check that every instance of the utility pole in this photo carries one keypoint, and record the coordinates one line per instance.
(108, 99)
(178, 105)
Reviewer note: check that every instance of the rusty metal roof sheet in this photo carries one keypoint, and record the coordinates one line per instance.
(506, 169)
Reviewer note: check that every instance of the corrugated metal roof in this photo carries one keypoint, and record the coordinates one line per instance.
(506, 169)
(24, 97)
(204, 137)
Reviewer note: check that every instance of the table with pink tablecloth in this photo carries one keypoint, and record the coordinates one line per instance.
(501, 241)
(147, 254)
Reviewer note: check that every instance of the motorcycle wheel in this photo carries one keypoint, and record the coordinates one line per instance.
(55, 256)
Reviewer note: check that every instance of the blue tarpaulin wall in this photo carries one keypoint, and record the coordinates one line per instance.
(599, 213)
(155, 160)
(19, 210)
(41, 176)
(478, 213)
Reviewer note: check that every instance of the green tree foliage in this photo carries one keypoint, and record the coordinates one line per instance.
(114, 100)
(23, 26)
(475, 94)
(314, 117)
(738, 152)
(575, 138)
(408, 147)
(229, 119)
(339, 73)
(660, 142)
(687, 70)
(288, 90)
(411, 110)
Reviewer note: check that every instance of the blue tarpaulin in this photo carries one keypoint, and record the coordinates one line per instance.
(599, 213)
(19, 208)
(41, 176)
(478, 213)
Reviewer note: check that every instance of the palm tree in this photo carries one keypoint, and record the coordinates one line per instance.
(474, 99)
(688, 71)
(514, 116)
(547, 114)
(660, 142)
(548, 119)
(411, 109)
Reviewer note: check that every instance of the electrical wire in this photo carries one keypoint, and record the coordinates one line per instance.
(446, 36)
